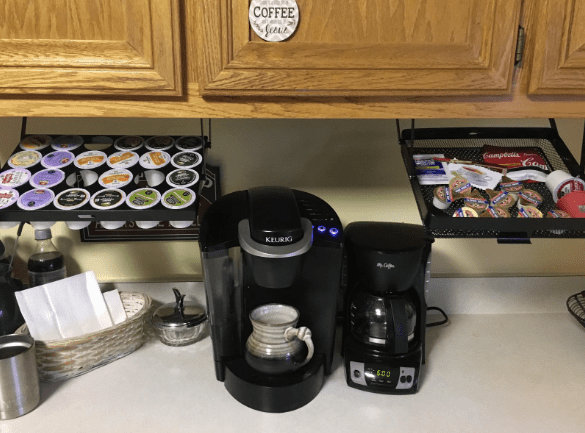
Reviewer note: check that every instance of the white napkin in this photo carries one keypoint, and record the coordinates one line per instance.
(115, 306)
(67, 308)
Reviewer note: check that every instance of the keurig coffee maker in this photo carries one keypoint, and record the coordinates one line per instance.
(385, 308)
(272, 260)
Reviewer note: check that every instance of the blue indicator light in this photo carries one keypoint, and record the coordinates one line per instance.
(333, 231)
(321, 229)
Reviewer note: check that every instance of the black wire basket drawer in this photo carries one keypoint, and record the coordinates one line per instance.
(465, 144)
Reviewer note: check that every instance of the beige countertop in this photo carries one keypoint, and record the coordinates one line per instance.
(484, 373)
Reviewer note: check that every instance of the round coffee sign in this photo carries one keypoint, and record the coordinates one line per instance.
(274, 20)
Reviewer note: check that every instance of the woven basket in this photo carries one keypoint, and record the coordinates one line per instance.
(71, 357)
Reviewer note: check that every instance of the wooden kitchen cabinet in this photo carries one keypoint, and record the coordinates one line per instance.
(362, 48)
(559, 48)
(58, 47)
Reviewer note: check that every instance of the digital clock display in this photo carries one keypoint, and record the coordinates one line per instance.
(378, 375)
(383, 373)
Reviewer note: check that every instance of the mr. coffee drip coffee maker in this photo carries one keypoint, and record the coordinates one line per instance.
(272, 257)
(384, 327)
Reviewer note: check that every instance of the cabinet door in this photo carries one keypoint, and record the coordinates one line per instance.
(559, 47)
(362, 48)
(107, 47)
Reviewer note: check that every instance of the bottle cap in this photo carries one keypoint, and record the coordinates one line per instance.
(42, 234)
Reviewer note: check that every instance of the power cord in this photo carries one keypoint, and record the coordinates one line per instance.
(440, 322)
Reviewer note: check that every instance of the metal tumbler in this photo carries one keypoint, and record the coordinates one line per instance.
(19, 378)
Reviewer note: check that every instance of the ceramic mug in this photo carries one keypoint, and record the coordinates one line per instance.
(276, 346)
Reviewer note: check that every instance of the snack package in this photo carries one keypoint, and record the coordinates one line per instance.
(428, 171)
(514, 156)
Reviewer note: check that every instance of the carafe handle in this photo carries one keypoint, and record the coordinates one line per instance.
(304, 334)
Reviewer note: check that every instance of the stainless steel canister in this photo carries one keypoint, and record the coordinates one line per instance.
(19, 378)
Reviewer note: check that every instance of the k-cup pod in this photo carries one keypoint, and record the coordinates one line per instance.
(14, 178)
(123, 159)
(67, 142)
(442, 198)
(186, 160)
(529, 212)
(154, 159)
(35, 142)
(178, 198)
(115, 178)
(154, 177)
(89, 177)
(191, 143)
(181, 224)
(107, 199)
(573, 203)
(147, 224)
(77, 225)
(159, 142)
(99, 142)
(129, 142)
(182, 177)
(58, 159)
(561, 183)
(42, 225)
(90, 159)
(47, 178)
(36, 199)
(143, 198)
(8, 197)
(25, 159)
(465, 212)
(71, 199)
(112, 225)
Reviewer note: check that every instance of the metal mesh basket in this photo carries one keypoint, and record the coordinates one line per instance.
(576, 306)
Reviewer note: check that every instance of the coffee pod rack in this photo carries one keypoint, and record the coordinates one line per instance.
(76, 178)
(465, 144)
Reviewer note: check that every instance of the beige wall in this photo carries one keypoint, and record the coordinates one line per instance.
(355, 165)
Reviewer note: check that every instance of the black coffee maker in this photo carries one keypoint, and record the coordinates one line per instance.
(262, 246)
(385, 307)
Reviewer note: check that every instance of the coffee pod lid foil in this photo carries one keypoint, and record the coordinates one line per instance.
(529, 212)
(159, 142)
(495, 212)
(460, 187)
(36, 199)
(47, 178)
(529, 197)
(129, 142)
(191, 143)
(115, 178)
(67, 142)
(465, 212)
(108, 199)
(58, 159)
(143, 198)
(154, 159)
(8, 197)
(186, 160)
(90, 159)
(182, 177)
(123, 159)
(35, 142)
(178, 198)
(14, 178)
(25, 159)
(476, 201)
(501, 198)
(71, 199)
(557, 213)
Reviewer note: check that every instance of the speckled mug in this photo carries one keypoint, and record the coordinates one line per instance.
(275, 345)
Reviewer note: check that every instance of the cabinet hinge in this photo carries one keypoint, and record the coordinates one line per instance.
(520, 45)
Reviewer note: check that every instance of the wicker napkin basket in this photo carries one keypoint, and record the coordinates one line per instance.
(72, 357)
